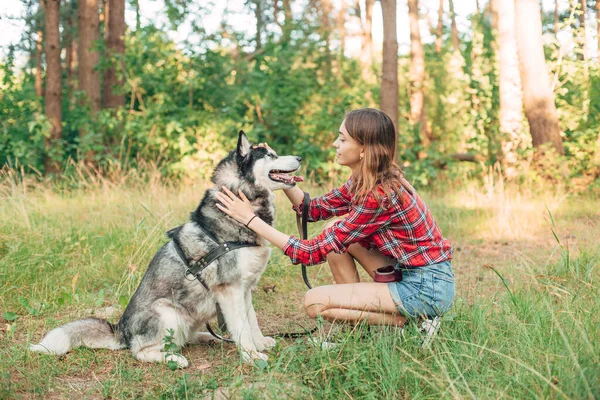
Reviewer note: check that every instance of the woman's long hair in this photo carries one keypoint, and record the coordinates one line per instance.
(375, 131)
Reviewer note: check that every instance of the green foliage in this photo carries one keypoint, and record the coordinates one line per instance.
(186, 101)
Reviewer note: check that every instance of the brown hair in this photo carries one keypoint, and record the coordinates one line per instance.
(375, 130)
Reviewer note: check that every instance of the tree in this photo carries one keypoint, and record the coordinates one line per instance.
(259, 22)
(511, 96)
(598, 26)
(389, 80)
(325, 11)
(53, 82)
(115, 47)
(39, 50)
(537, 94)
(418, 117)
(341, 25)
(556, 20)
(366, 49)
(582, 36)
(454, 29)
(89, 80)
(440, 28)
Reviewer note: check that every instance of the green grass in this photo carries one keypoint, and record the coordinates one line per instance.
(525, 323)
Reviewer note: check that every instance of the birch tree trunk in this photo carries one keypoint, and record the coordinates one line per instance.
(389, 81)
(53, 83)
(511, 96)
(537, 94)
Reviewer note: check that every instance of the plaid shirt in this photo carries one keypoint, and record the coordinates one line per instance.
(404, 229)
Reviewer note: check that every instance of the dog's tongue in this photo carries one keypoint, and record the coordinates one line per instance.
(296, 178)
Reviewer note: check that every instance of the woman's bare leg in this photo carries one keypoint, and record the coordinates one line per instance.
(354, 302)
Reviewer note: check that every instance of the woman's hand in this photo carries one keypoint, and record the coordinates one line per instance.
(238, 208)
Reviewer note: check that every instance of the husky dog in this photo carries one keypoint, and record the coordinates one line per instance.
(168, 299)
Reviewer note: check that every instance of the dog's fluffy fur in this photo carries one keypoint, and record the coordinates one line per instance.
(166, 300)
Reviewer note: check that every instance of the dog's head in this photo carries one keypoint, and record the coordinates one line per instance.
(257, 165)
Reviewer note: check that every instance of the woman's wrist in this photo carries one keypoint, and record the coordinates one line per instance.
(250, 220)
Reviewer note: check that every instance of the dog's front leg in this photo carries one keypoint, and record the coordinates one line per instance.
(232, 301)
(261, 342)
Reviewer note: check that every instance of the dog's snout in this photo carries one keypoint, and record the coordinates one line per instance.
(299, 159)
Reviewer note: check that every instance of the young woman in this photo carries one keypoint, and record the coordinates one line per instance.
(386, 222)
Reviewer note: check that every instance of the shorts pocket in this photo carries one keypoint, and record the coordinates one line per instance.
(443, 293)
(411, 284)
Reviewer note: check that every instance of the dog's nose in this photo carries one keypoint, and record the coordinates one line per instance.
(299, 158)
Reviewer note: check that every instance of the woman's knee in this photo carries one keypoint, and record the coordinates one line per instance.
(313, 305)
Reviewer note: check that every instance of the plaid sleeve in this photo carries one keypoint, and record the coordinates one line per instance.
(334, 203)
(362, 221)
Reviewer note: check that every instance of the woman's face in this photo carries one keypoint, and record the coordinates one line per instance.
(349, 151)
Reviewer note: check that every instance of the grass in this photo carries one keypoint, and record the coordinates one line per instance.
(525, 323)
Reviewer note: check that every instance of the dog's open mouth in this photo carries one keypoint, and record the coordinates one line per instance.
(278, 175)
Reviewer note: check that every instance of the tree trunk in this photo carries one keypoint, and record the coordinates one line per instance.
(454, 30)
(537, 94)
(389, 81)
(287, 22)
(477, 8)
(89, 79)
(70, 56)
(598, 27)
(39, 50)
(440, 28)
(326, 29)
(366, 50)
(53, 83)
(258, 15)
(556, 20)
(511, 96)
(582, 29)
(115, 46)
(341, 23)
(138, 23)
(417, 76)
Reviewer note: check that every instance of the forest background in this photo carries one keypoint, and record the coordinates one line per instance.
(112, 96)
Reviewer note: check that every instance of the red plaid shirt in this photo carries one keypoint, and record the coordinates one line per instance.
(404, 229)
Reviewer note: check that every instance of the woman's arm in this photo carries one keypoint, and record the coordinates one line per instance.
(295, 195)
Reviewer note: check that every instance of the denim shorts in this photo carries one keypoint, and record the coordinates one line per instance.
(424, 291)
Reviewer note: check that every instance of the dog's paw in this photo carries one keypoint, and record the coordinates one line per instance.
(265, 343)
(250, 356)
(181, 361)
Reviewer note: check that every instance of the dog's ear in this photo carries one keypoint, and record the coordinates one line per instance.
(243, 145)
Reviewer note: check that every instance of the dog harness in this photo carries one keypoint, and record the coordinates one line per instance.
(197, 267)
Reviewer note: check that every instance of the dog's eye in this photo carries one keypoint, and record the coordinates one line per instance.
(272, 155)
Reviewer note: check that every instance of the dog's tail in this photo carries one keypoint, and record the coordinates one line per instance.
(94, 333)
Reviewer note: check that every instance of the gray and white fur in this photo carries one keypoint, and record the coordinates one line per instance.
(166, 300)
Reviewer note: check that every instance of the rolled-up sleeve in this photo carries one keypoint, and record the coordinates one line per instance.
(333, 204)
(362, 221)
